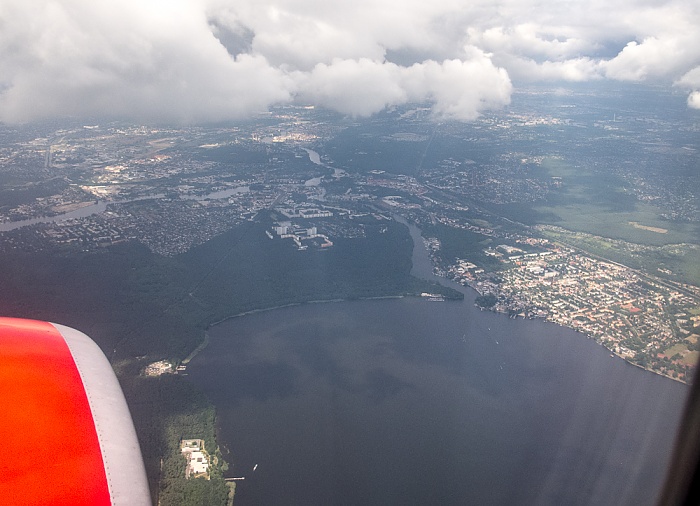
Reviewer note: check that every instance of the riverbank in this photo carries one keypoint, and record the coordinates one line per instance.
(199, 348)
(207, 337)
(509, 292)
(83, 210)
(496, 305)
(327, 301)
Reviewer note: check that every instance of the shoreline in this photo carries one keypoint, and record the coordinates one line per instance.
(597, 341)
(198, 349)
(292, 304)
(207, 337)
(446, 282)
(464, 288)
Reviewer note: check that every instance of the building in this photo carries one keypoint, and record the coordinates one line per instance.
(197, 458)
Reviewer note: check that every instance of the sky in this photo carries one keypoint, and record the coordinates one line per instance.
(196, 61)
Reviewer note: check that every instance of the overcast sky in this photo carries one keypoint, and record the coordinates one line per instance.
(202, 60)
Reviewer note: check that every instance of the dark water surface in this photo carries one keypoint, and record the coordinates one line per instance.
(406, 401)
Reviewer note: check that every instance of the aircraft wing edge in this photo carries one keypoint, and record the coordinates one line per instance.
(121, 453)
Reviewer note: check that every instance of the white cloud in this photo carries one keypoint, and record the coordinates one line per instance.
(573, 70)
(356, 87)
(694, 100)
(530, 39)
(691, 81)
(199, 60)
(461, 89)
(458, 89)
(134, 61)
(653, 57)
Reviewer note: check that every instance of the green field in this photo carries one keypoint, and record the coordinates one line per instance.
(689, 357)
(603, 205)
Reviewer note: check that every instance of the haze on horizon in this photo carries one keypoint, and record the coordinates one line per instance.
(195, 61)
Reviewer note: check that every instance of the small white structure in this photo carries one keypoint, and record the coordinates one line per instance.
(198, 463)
(196, 456)
(158, 368)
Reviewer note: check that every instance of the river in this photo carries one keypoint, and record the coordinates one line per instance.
(82, 212)
(406, 401)
(221, 194)
(100, 207)
(314, 157)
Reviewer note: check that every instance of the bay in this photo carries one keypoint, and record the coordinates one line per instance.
(407, 401)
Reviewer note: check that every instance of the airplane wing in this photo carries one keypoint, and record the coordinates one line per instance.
(65, 429)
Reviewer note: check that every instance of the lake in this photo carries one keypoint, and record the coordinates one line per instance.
(407, 401)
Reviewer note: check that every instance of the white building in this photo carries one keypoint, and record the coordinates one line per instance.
(197, 458)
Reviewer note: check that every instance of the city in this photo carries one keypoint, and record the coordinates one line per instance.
(93, 186)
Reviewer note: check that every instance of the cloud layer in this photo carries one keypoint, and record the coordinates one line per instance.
(202, 60)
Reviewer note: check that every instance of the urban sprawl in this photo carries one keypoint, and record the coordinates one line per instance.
(171, 189)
